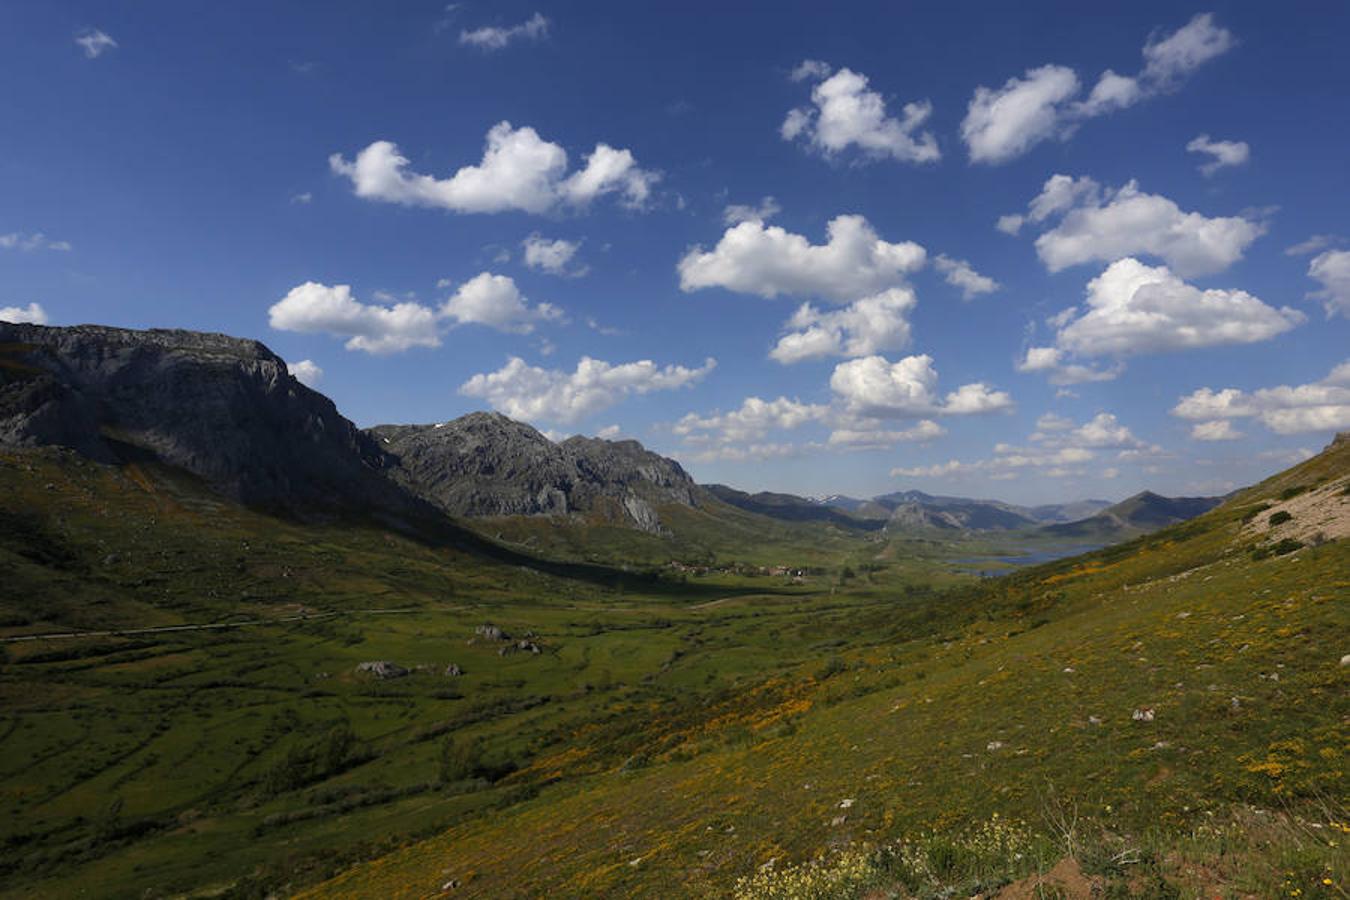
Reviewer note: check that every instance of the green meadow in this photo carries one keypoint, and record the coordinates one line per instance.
(1170, 714)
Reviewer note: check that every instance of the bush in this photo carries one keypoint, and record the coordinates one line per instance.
(1280, 518)
(1254, 512)
(833, 666)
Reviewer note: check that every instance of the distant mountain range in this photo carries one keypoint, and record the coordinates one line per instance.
(228, 411)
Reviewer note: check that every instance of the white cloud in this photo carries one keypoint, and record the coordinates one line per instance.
(1332, 269)
(95, 43)
(811, 70)
(1216, 430)
(318, 308)
(873, 387)
(1171, 59)
(738, 213)
(862, 328)
(1051, 360)
(959, 274)
(846, 114)
(1004, 123)
(751, 422)
(485, 299)
(551, 256)
(32, 314)
(17, 240)
(1222, 153)
(766, 260)
(1312, 245)
(881, 438)
(303, 198)
(1059, 448)
(519, 171)
(526, 392)
(1010, 224)
(1105, 225)
(306, 371)
(742, 453)
(1133, 308)
(489, 38)
(1320, 406)
(495, 301)
(975, 399)
(610, 433)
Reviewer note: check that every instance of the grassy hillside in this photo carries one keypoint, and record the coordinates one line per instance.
(1139, 708)
(673, 734)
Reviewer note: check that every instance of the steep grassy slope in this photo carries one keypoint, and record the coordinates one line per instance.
(1149, 689)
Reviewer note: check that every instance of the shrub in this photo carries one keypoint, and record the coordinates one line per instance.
(1254, 512)
(833, 666)
(1279, 518)
(1291, 493)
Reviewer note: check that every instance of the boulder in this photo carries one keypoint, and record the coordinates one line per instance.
(382, 668)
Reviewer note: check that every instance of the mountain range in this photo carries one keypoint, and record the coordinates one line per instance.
(228, 411)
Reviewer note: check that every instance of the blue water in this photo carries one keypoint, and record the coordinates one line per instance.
(973, 564)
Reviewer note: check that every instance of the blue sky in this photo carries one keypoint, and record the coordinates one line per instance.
(986, 267)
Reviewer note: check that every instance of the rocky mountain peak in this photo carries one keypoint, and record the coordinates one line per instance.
(485, 464)
(222, 408)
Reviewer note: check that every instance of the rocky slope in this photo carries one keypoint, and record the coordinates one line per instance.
(485, 464)
(224, 409)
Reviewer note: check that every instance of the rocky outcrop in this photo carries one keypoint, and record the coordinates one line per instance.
(382, 669)
(485, 464)
(222, 408)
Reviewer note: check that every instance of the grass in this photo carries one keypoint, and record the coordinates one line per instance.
(674, 730)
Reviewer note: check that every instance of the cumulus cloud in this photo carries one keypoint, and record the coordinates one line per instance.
(1103, 225)
(495, 301)
(1052, 362)
(32, 314)
(844, 113)
(960, 274)
(876, 388)
(862, 328)
(1005, 122)
(1332, 269)
(17, 240)
(738, 213)
(1320, 406)
(1221, 153)
(530, 393)
(306, 371)
(1134, 309)
(519, 171)
(767, 260)
(95, 43)
(1058, 448)
(319, 308)
(489, 38)
(1216, 430)
(752, 421)
(551, 256)
(485, 299)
